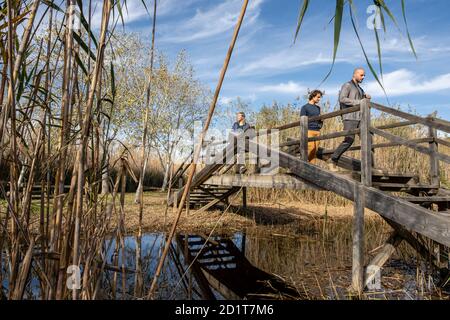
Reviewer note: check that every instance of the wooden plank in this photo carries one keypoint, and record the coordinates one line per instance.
(382, 145)
(411, 216)
(335, 135)
(397, 125)
(323, 137)
(304, 138)
(443, 142)
(426, 199)
(317, 118)
(408, 143)
(434, 123)
(382, 257)
(278, 181)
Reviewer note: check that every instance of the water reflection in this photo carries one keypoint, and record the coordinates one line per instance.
(256, 266)
(244, 266)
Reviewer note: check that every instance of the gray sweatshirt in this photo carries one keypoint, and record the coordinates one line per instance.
(351, 95)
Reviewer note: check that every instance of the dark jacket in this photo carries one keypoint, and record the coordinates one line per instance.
(238, 128)
(311, 110)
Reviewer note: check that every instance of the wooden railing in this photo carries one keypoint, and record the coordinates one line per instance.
(367, 132)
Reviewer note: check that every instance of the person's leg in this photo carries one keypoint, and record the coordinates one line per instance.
(348, 141)
(313, 146)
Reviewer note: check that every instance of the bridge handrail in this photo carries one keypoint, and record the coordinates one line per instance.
(432, 122)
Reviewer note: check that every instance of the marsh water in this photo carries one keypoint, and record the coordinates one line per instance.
(255, 265)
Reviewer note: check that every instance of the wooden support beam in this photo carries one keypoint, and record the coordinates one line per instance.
(304, 138)
(382, 257)
(411, 216)
(412, 240)
(216, 201)
(358, 240)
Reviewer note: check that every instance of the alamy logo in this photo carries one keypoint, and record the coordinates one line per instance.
(374, 20)
(74, 280)
(74, 20)
(373, 277)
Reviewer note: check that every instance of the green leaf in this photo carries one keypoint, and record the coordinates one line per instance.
(407, 30)
(301, 17)
(383, 5)
(80, 63)
(372, 70)
(113, 81)
(83, 46)
(86, 27)
(119, 8)
(52, 5)
(379, 52)
(337, 33)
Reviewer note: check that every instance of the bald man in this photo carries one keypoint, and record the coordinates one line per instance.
(351, 95)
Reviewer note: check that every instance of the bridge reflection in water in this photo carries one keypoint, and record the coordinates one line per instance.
(218, 265)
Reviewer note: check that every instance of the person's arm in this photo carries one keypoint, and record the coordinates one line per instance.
(344, 96)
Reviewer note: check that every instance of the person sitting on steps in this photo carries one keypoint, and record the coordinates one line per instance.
(351, 95)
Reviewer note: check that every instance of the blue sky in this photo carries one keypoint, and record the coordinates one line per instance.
(267, 66)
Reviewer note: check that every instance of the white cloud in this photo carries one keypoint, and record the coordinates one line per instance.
(135, 10)
(211, 22)
(225, 100)
(403, 82)
(290, 87)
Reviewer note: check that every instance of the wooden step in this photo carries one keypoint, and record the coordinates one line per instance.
(426, 199)
(401, 187)
(384, 176)
(218, 263)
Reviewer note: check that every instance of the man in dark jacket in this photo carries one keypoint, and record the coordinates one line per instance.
(312, 109)
(241, 124)
(351, 95)
(239, 127)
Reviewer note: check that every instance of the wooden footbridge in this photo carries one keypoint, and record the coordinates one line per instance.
(418, 211)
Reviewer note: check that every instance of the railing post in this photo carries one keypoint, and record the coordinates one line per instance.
(366, 145)
(304, 138)
(244, 197)
(434, 161)
(359, 199)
